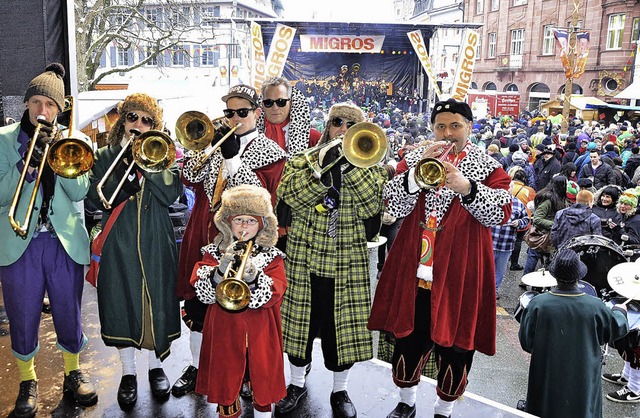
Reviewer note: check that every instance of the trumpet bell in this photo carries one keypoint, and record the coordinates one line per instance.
(154, 151)
(430, 173)
(233, 294)
(365, 144)
(70, 157)
(194, 130)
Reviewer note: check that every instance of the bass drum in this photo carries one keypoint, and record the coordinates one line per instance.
(599, 254)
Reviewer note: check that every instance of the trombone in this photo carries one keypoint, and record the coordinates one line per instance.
(364, 145)
(233, 293)
(67, 157)
(195, 131)
(430, 172)
(153, 151)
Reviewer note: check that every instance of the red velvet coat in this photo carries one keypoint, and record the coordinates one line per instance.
(463, 300)
(228, 337)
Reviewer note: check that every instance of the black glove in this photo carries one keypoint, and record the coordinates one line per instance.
(128, 155)
(220, 133)
(36, 157)
(329, 156)
(45, 135)
(230, 147)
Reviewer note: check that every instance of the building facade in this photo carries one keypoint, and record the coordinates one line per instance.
(518, 51)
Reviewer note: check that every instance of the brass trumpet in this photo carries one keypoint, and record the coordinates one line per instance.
(363, 145)
(195, 131)
(67, 157)
(430, 172)
(233, 293)
(153, 151)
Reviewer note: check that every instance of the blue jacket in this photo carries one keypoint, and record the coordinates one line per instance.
(574, 221)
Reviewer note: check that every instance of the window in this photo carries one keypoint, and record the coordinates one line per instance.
(547, 40)
(495, 5)
(615, 31)
(479, 49)
(479, 6)
(177, 56)
(491, 49)
(153, 17)
(209, 56)
(635, 29)
(118, 17)
(149, 52)
(519, 2)
(517, 41)
(181, 16)
(122, 56)
(209, 15)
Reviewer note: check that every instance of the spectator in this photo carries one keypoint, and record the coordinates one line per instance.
(606, 200)
(576, 220)
(601, 174)
(546, 167)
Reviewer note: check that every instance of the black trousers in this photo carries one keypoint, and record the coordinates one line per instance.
(412, 352)
(322, 323)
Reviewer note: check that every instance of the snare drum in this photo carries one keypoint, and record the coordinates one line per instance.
(599, 254)
(523, 302)
(633, 311)
(587, 288)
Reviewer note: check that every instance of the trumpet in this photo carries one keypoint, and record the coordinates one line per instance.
(153, 151)
(67, 157)
(430, 172)
(233, 293)
(363, 145)
(195, 131)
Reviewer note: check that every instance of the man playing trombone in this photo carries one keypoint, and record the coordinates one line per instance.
(244, 157)
(48, 253)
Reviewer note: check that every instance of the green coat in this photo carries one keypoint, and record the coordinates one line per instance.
(65, 212)
(346, 259)
(139, 260)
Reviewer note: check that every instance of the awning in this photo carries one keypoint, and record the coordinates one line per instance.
(631, 92)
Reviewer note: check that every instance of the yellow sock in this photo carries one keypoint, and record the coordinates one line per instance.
(26, 370)
(71, 362)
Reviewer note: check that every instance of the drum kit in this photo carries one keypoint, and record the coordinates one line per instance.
(613, 274)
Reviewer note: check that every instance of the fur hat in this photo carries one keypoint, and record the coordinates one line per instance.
(49, 84)
(131, 103)
(348, 111)
(246, 199)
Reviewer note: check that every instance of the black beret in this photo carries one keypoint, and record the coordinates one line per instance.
(452, 106)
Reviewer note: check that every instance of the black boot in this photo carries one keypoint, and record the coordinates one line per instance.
(27, 401)
(186, 383)
(342, 406)
(79, 386)
(290, 402)
(245, 391)
(128, 391)
(159, 383)
(403, 410)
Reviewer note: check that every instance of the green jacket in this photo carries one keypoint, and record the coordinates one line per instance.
(65, 211)
(139, 260)
(346, 259)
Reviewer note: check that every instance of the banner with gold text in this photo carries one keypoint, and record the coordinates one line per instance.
(466, 62)
(257, 62)
(279, 50)
(421, 51)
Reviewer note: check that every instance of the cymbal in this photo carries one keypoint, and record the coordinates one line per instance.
(624, 279)
(540, 278)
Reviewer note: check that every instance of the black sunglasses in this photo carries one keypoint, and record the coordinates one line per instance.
(279, 102)
(228, 113)
(133, 117)
(337, 122)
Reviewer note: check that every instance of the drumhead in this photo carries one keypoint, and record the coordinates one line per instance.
(599, 254)
(523, 302)
(587, 288)
(633, 310)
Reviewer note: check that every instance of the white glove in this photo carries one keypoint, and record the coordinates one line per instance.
(225, 262)
(250, 272)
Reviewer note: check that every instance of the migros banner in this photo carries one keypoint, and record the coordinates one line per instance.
(341, 43)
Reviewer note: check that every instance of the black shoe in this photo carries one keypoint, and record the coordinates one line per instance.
(128, 391)
(516, 267)
(186, 383)
(403, 410)
(245, 391)
(159, 383)
(342, 406)
(521, 405)
(290, 402)
(440, 416)
(79, 386)
(46, 305)
(27, 401)
(307, 369)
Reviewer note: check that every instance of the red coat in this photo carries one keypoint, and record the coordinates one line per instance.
(228, 337)
(463, 300)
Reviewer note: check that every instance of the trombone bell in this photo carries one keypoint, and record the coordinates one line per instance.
(70, 158)
(154, 151)
(194, 130)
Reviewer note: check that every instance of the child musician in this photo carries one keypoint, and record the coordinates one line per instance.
(236, 338)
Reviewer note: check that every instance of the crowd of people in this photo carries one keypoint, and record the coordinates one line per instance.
(275, 253)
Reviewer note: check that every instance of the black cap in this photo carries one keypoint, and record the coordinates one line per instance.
(452, 106)
(244, 92)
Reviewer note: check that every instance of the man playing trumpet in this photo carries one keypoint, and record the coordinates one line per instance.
(51, 255)
(437, 288)
(246, 157)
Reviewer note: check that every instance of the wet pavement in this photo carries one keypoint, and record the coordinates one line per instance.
(495, 383)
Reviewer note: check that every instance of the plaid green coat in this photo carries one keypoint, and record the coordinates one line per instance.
(346, 258)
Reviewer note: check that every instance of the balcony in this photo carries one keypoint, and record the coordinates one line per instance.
(508, 62)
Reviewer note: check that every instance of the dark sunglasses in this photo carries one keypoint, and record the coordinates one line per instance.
(279, 102)
(133, 117)
(337, 122)
(242, 113)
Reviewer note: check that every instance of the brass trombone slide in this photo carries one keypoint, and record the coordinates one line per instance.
(200, 138)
